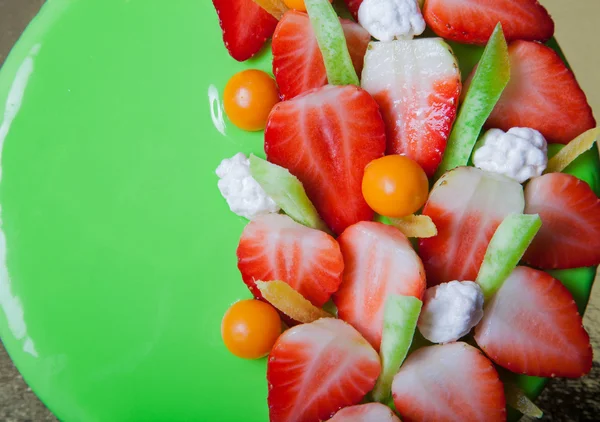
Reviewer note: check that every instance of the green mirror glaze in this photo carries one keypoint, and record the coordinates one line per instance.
(118, 251)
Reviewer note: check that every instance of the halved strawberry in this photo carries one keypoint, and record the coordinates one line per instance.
(570, 213)
(448, 383)
(467, 205)
(275, 247)
(297, 60)
(531, 326)
(379, 261)
(417, 85)
(325, 138)
(369, 412)
(246, 26)
(473, 21)
(318, 368)
(353, 6)
(542, 94)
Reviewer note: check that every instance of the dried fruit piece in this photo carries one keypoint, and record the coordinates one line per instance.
(275, 7)
(290, 302)
(421, 226)
(572, 150)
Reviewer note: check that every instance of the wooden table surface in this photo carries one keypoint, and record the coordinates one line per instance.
(564, 400)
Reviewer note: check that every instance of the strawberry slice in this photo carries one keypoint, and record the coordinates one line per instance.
(447, 383)
(246, 26)
(318, 368)
(417, 85)
(531, 326)
(325, 138)
(275, 247)
(570, 213)
(379, 261)
(297, 60)
(542, 94)
(473, 21)
(466, 205)
(370, 412)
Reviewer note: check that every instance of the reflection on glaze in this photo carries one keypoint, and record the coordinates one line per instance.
(11, 305)
(216, 109)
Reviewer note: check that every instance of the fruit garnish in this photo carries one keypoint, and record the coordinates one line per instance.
(395, 186)
(490, 78)
(448, 383)
(379, 262)
(248, 99)
(417, 84)
(572, 150)
(250, 328)
(297, 5)
(246, 27)
(517, 399)
(466, 205)
(531, 326)
(420, 226)
(368, 412)
(332, 43)
(473, 21)
(325, 138)
(275, 7)
(297, 60)
(275, 247)
(542, 94)
(287, 192)
(508, 245)
(399, 324)
(318, 368)
(290, 302)
(570, 213)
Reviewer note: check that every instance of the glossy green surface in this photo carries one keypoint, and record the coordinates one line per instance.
(118, 252)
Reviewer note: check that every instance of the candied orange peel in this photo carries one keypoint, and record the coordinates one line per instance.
(421, 226)
(572, 150)
(282, 296)
(276, 8)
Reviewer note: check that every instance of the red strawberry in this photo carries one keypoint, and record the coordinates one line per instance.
(274, 247)
(370, 412)
(531, 326)
(542, 94)
(447, 383)
(473, 21)
(246, 26)
(467, 205)
(417, 85)
(570, 213)
(318, 368)
(379, 261)
(297, 60)
(326, 137)
(353, 6)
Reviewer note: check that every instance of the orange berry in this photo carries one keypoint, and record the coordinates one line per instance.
(248, 99)
(395, 186)
(250, 328)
